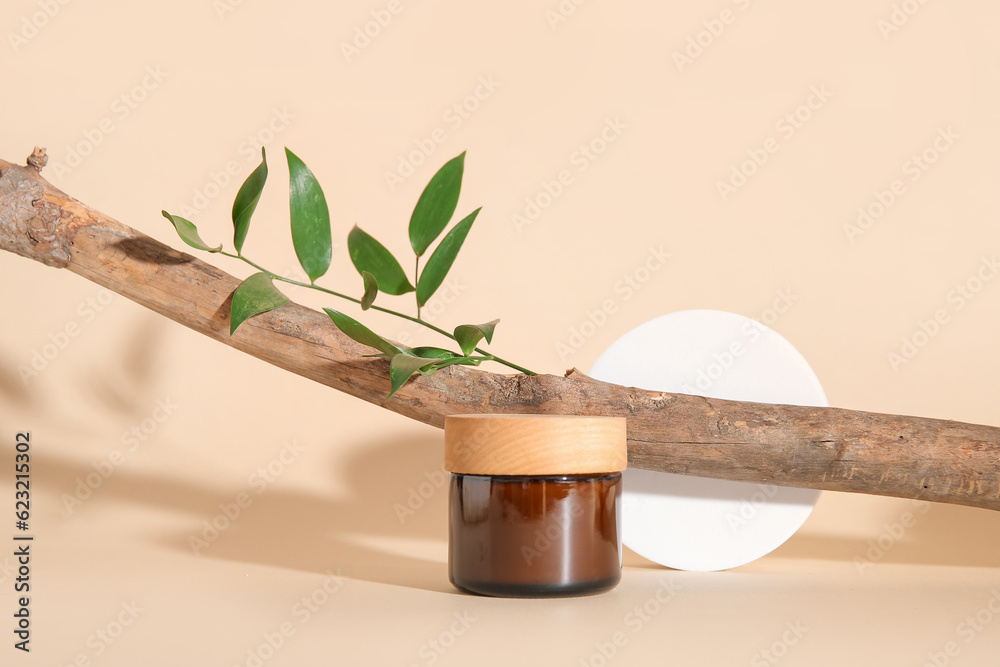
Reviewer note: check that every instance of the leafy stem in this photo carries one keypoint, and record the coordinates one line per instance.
(487, 356)
(380, 271)
(416, 281)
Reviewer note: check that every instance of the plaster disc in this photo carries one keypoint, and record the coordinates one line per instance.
(695, 523)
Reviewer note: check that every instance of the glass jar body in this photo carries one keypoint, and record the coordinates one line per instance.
(533, 535)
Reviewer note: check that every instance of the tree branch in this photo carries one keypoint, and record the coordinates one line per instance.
(821, 448)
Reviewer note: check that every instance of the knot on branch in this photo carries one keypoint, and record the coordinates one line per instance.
(38, 159)
(29, 222)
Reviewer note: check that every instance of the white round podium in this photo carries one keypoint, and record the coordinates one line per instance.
(694, 523)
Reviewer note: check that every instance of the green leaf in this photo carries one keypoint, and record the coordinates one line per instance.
(255, 295)
(431, 353)
(402, 367)
(436, 204)
(361, 333)
(469, 335)
(428, 353)
(443, 257)
(310, 219)
(371, 256)
(371, 290)
(189, 233)
(461, 361)
(246, 202)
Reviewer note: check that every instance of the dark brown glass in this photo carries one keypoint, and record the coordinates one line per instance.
(535, 536)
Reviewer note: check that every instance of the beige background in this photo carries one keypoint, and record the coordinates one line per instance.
(225, 76)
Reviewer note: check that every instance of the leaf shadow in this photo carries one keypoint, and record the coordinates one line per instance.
(123, 383)
(150, 251)
(13, 390)
(357, 532)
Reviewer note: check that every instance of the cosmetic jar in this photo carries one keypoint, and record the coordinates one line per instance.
(535, 503)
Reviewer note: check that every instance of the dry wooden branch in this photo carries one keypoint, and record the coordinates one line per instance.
(820, 448)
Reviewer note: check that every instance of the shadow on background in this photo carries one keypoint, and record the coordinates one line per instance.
(361, 534)
(124, 383)
(120, 383)
(944, 535)
(13, 390)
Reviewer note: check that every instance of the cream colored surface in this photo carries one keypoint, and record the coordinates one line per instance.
(491, 444)
(640, 230)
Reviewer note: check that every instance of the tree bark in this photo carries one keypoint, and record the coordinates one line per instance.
(809, 447)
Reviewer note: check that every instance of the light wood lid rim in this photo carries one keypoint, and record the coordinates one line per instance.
(518, 444)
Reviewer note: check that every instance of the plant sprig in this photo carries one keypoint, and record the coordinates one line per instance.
(381, 273)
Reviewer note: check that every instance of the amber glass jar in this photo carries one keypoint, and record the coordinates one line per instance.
(534, 503)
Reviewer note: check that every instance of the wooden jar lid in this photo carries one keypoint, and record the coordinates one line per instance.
(520, 444)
